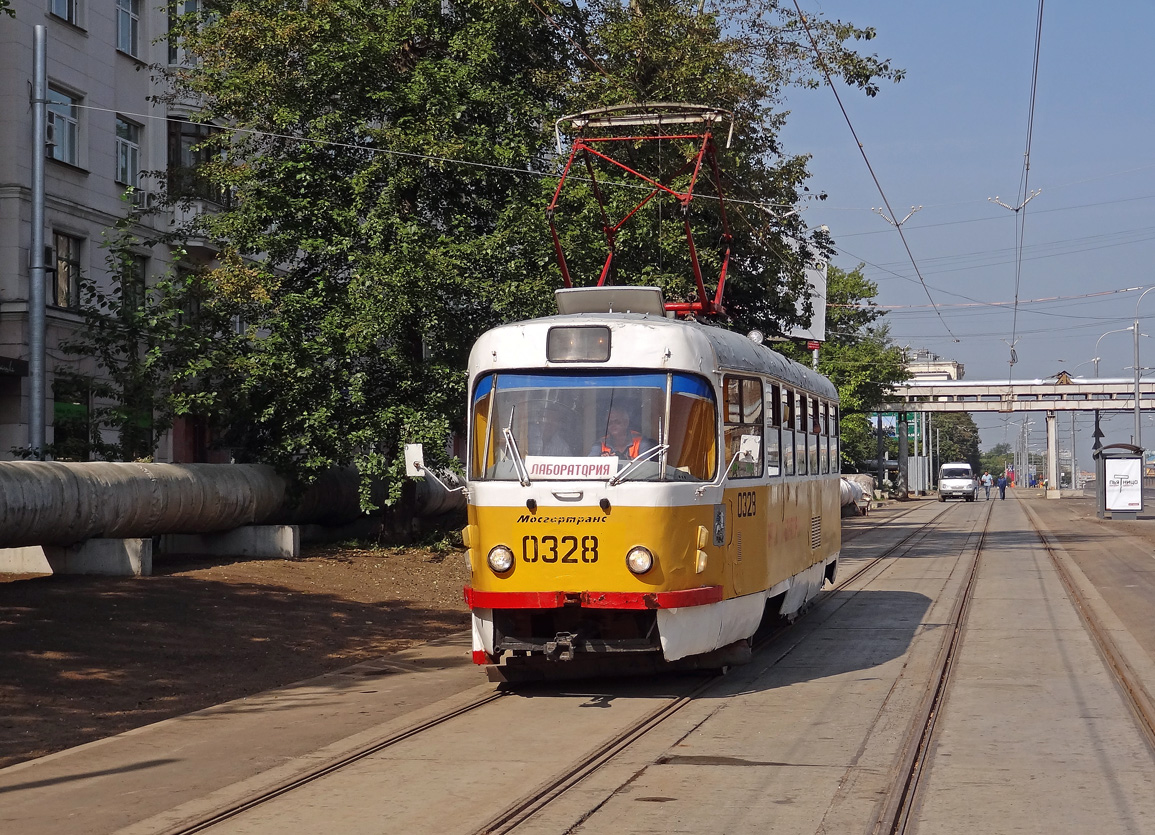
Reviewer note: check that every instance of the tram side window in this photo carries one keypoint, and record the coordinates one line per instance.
(773, 427)
(787, 432)
(743, 430)
(800, 427)
(835, 457)
(816, 434)
(824, 438)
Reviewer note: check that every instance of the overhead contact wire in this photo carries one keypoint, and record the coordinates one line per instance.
(869, 167)
(1024, 193)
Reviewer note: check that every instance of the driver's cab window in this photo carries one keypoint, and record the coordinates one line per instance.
(743, 426)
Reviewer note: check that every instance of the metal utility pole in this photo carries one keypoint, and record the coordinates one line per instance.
(36, 310)
(1138, 428)
(1074, 465)
(881, 460)
(900, 482)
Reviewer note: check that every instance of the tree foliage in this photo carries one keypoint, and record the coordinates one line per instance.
(995, 459)
(957, 438)
(134, 358)
(387, 164)
(858, 357)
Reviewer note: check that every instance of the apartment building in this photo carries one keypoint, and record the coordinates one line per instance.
(106, 137)
(927, 365)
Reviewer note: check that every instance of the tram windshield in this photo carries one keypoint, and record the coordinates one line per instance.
(566, 424)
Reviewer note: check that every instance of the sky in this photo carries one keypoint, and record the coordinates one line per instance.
(951, 136)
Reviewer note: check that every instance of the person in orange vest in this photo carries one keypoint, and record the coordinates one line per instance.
(620, 440)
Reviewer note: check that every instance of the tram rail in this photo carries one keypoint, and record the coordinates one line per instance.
(1139, 700)
(903, 794)
(291, 784)
(526, 807)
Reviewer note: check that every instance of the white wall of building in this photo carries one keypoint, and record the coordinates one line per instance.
(82, 200)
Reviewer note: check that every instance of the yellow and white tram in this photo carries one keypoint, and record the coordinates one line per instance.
(721, 506)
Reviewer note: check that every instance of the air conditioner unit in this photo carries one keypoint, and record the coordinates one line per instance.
(50, 132)
(142, 199)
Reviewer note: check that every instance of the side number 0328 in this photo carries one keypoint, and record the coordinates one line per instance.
(552, 549)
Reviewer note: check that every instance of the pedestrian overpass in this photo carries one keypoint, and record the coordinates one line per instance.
(1062, 393)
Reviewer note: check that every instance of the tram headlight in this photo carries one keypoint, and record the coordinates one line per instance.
(639, 560)
(500, 559)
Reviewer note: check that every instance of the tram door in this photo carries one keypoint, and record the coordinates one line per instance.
(746, 492)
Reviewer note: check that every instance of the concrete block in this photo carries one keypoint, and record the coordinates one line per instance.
(27, 560)
(117, 557)
(278, 541)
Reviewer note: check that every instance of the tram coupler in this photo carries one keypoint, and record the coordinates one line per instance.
(561, 648)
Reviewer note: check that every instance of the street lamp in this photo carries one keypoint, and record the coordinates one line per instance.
(1096, 358)
(1138, 427)
(1098, 432)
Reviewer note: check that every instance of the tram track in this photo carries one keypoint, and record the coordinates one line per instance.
(291, 784)
(902, 797)
(526, 807)
(865, 529)
(921, 529)
(1139, 700)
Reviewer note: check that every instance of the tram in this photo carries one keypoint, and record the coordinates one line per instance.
(641, 487)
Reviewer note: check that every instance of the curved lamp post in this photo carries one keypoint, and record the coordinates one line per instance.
(1095, 359)
(1138, 425)
(1098, 432)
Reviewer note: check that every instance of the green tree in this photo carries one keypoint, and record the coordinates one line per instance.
(959, 439)
(376, 158)
(137, 356)
(386, 166)
(994, 460)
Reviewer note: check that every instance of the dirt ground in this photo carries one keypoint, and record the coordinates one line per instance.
(82, 658)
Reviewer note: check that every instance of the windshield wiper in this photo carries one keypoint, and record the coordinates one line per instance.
(511, 446)
(641, 459)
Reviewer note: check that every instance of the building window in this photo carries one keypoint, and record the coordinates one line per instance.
(66, 10)
(133, 270)
(127, 152)
(71, 419)
(128, 26)
(190, 293)
(175, 11)
(63, 128)
(66, 287)
(186, 155)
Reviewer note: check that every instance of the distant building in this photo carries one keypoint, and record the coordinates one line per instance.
(106, 137)
(926, 365)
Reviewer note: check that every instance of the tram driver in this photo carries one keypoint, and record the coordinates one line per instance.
(621, 440)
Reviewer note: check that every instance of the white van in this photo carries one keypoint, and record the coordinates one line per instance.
(956, 480)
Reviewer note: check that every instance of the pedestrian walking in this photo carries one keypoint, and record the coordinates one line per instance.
(1003, 486)
(987, 481)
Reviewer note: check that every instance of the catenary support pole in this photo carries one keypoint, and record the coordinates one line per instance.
(36, 371)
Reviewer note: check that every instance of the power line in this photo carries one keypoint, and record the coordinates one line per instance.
(1025, 194)
(865, 158)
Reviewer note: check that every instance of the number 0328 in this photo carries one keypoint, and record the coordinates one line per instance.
(550, 549)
